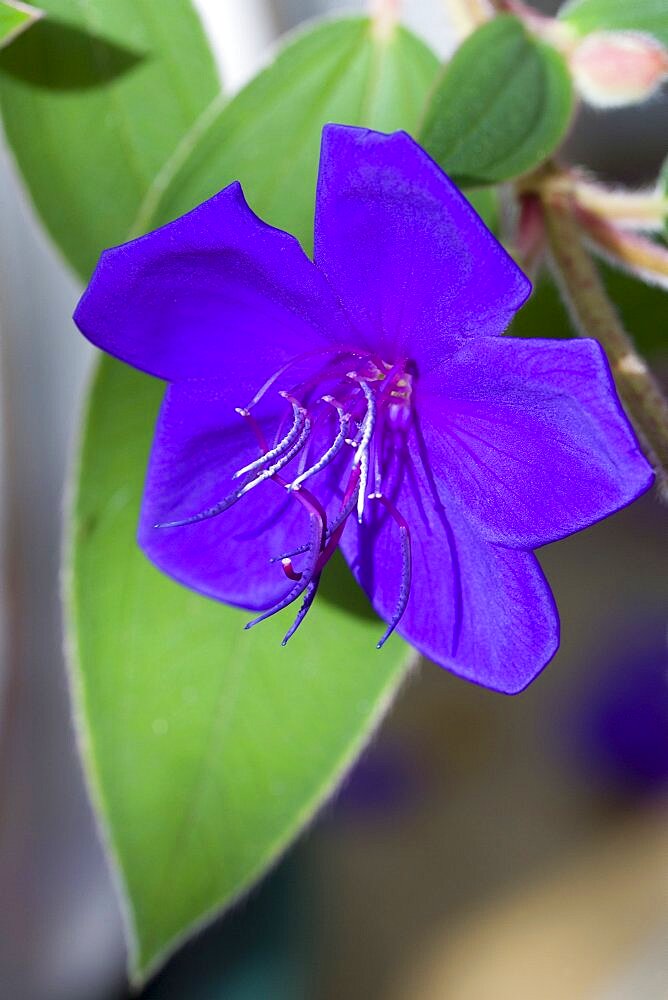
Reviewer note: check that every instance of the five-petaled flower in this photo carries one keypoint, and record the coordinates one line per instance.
(364, 400)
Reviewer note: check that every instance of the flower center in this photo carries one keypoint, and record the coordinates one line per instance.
(340, 419)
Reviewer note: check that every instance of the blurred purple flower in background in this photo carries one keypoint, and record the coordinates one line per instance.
(617, 718)
(364, 400)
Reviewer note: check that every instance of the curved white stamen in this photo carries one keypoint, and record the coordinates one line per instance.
(364, 477)
(332, 451)
(282, 461)
(368, 423)
(299, 418)
(361, 457)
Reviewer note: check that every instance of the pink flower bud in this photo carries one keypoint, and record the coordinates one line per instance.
(614, 68)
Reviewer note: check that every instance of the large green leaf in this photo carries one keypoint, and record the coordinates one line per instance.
(15, 17)
(210, 747)
(269, 135)
(650, 16)
(501, 106)
(94, 99)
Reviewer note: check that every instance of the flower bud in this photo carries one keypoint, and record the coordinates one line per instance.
(615, 68)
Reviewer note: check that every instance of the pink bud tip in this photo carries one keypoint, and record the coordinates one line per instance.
(614, 68)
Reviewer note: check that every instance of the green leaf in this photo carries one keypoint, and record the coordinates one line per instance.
(501, 106)
(663, 186)
(268, 137)
(15, 17)
(485, 201)
(650, 16)
(639, 304)
(208, 747)
(94, 99)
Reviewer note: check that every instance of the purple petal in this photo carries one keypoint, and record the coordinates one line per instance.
(412, 262)
(530, 435)
(209, 293)
(481, 610)
(200, 442)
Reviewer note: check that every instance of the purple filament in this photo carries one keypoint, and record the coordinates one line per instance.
(406, 565)
(309, 597)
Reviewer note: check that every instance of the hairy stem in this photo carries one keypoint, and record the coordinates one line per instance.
(595, 316)
(645, 210)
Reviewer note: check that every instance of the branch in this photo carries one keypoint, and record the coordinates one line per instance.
(595, 316)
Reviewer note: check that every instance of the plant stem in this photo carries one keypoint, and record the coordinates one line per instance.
(621, 248)
(626, 209)
(385, 17)
(595, 316)
(467, 15)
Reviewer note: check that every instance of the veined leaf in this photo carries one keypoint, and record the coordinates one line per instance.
(268, 137)
(15, 17)
(501, 107)
(650, 16)
(94, 99)
(209, 747)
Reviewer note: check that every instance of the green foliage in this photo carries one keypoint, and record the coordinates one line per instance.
(639, 305)
(650, 16)
(94, 99)
(501, 106)
(268, 137)
(14, 19)
(209, 747)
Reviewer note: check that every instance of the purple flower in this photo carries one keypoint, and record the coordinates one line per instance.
(364, 400)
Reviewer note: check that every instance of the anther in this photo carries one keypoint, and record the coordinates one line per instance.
(333, 450)
(299, 418)
(406, 566)
(309, 597)
(284, 460)
(315, 542)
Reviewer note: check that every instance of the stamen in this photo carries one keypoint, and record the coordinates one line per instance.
(204, 515)
(289, 555)
(364, 476)
(315, 542)
(289, 570)
(299, 417)
(281, 462)
(369, 419)
(406, 566)
(232, 498)
(333, 450)
(309, 597)
(362, 453)
(254, 426)
(284, 368)
(339, 522)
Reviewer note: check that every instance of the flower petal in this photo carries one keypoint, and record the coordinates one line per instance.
(200, 442)
(412, 262)
(481, 610)
(208, 292)
(531, 437)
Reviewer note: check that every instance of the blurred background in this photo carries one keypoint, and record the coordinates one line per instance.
(484, 847)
